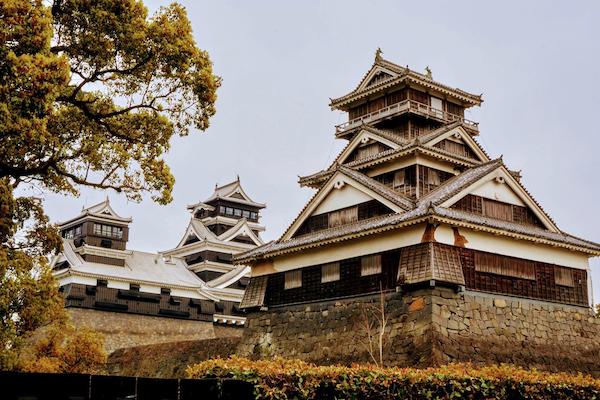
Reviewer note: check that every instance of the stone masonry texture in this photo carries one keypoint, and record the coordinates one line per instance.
(123, 330)
(432, 326)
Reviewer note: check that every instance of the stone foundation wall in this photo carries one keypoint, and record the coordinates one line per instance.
(484, 328)
(122, 330)
(330, 332)
(430, 327)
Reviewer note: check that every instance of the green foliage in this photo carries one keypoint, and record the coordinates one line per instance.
(294, 379)
(91, 92)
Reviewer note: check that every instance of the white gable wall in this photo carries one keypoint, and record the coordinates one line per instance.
(337, 199)
(498, 191)
(491, 243)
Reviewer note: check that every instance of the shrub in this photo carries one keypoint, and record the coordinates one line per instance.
(295, 379)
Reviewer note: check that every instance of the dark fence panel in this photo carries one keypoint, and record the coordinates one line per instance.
(33, 386)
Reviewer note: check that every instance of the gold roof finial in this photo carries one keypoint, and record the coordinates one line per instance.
(378, 54)
(428, 72)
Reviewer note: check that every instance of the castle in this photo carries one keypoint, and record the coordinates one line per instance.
(471, 265)
(190, 292)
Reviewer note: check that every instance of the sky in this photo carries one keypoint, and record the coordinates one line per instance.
(535, 62)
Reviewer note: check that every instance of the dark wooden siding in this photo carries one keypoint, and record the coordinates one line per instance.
(496, 209)
(103, 260)
(320, 222)
(208, 255)
(543, 287)
(350, 283)
(135, 302)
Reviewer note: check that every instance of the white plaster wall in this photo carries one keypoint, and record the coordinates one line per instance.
(347, 196)
(515, 248)
(498, 191)
(353, 248)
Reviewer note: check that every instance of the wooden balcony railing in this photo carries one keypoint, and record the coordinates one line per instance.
(406, 106)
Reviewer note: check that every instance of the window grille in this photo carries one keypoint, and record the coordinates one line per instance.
(370, 265)
(496, 209)
(503, 265)
(343, 217)
(399, 178)
(293, 279)
(433, 178)
(330, 272)
(564, 277)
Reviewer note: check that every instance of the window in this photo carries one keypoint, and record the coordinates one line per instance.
(563, 277)
(222, 209)
(370, 265)
(228, 210)
(293, 279)
(399, 177)
(433, 178)
(496, 209)
(253, 215)
(78, 230)
(102, 283)
(503, 265)
(246, 214)
(330, 272)
(237, 212)
(134, 287)
(109, 231)
(343, 217)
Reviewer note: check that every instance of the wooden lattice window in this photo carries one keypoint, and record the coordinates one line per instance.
(497, 209)
(370, 265)
(330, 272)
(503, 265)
(292, 279)
(343, 217)
(454, 109)
(368, 151)
(399, 178)
(564, 276)
(419, 96)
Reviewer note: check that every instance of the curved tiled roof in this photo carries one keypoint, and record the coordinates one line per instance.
(404, 73)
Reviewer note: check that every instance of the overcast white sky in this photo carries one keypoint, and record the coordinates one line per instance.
(536, 64)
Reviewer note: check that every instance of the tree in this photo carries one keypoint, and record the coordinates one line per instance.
(91, 92)
(373, 321)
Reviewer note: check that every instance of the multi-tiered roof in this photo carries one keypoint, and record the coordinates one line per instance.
(225, 224)
(411, 158)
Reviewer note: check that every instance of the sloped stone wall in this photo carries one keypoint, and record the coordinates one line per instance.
(430, 327)
(331, 332)
(123, 330)
(485, 328)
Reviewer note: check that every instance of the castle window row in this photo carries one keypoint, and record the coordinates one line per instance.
(72, 232)
(342, 217)
(237, 212)
(497, 209)
(108, 231)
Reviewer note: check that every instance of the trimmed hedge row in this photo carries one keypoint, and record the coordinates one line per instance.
(295, 379)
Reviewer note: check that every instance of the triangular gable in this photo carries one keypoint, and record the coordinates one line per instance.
(336, 182)
(362, 138)
(240, 229)
(197, 229)
(500, 185)
(458, 135)
(375, 71)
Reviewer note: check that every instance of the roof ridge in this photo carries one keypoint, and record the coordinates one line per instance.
(397, 198)
(476, 171)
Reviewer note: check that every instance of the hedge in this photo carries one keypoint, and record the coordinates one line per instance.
(295, 379)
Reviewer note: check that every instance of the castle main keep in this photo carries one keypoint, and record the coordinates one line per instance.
(470, 264)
